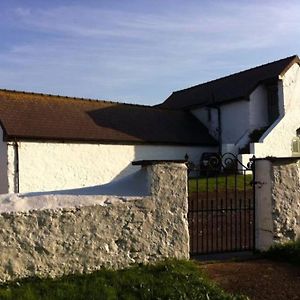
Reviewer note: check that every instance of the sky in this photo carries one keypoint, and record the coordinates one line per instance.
(138, 51)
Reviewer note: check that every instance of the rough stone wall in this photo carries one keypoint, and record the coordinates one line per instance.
(286, 200)
(277, 200)
(71, 240)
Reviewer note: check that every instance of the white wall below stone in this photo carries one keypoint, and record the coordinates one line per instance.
(45, 166)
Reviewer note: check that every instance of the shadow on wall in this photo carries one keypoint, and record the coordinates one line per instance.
(152, 152)
(151, 126)
(135, 184)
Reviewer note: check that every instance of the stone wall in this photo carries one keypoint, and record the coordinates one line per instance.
(277, 201)
(83, 239)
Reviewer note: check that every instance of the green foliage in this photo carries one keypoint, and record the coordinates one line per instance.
(171, 279)
(288, 252)
(230, 181)
(254, 137)
(256, 134)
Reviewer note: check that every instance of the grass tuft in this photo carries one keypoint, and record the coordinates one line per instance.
(170, 279)
(287, 252)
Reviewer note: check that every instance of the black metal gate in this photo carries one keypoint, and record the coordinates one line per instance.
(221, 205)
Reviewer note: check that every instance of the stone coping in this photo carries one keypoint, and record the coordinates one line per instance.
(155, 162)
(273, 158)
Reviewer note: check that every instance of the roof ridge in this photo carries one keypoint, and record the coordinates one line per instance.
(74, 98)
(292, 57)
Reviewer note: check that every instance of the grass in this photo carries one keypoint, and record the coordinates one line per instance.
(166, 280)
(230, 181)
(287, 252)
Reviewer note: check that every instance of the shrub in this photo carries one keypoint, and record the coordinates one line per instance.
(289, 252)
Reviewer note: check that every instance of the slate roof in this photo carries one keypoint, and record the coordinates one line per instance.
(230, 88)
(29, 116)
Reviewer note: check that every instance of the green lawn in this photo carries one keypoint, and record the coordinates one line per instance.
(165, 280)
(229, 181)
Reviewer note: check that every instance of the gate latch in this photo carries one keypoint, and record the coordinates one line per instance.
(259, 184)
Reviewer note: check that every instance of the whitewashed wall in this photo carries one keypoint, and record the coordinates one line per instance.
(3, 165)
(240, 118)
(45, 166)
(258, 108)
(277, 141)
(212, 125)
(235, 121)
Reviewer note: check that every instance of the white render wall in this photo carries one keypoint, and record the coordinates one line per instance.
(212, 124)
(258, 108)
(46, 166)
(3, 165)
(277, 141)
(234, 121)
(238, 119)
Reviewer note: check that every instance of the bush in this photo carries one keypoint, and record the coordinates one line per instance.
(166, 280)
(289, 252)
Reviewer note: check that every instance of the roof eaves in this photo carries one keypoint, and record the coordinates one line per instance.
(209, 104)
(247, 96)
(74, 98)
(4, 131)
(294, 60)
(13, 138)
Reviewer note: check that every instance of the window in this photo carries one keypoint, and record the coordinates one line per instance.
(209, 114)
(296, 146)
(273, 109)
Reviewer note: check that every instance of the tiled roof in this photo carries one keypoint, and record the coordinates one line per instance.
(29, 116)
(230, 88)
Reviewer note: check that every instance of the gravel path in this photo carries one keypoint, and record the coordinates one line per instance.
(258, 279)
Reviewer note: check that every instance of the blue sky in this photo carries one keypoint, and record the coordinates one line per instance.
(138, 51)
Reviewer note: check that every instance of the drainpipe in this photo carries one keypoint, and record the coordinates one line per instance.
(217, 107)
(14, 168)
(17, 177)
(219, 130)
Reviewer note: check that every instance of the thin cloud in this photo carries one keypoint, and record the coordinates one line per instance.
(108, 52)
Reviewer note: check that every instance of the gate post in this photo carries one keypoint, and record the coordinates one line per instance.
(263, 204)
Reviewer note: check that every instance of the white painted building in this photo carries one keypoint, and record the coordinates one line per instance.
(53, 143)
(253, 112)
